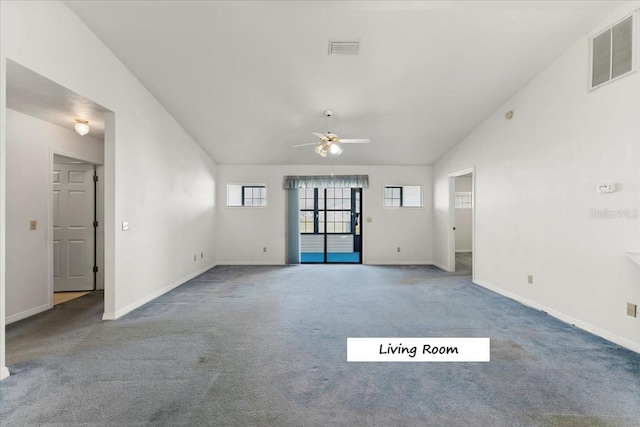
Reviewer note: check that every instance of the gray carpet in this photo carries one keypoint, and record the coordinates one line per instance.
(266, 346)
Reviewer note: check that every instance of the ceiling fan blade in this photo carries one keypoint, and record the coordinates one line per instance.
(355, 141)
(304, 145)
(320, 135)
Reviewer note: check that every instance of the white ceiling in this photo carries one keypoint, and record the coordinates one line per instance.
(35, 95)
(248, 79)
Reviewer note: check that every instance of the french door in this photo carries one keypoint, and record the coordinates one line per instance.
(330, 225)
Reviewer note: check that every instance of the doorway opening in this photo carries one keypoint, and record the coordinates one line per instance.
(330, 225)
(76, 244)
(461, 221)
(40, 115)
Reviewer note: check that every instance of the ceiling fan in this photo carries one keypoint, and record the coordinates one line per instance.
(330, 142)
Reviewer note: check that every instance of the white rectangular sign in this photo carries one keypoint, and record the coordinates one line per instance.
(418, 350)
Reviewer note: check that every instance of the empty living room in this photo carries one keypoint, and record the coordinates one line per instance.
(319, 213)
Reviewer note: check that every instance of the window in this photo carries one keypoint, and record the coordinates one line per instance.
(308, 213)
(393, 196)
(405, 196)
(328, 210)
(254, 195)
(246, 195)
(338, 210)
(463, 200)
(612, 52)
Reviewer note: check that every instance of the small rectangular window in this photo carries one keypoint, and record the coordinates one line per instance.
(403, 196)
(464, 200)
(392, 196)
(246, 195)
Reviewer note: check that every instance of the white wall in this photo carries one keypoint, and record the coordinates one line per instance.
(243, 232)
(30, 144)
(156, 176)
(535, 184)
(4, 371)
(463, 217)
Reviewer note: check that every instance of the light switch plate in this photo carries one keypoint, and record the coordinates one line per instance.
(33, 225)
(125, 225)
(632, 309)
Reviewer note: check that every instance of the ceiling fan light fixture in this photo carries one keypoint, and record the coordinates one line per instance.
(82, 127)
(330, 143)
(336, 149)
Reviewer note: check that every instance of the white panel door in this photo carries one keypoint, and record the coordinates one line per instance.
(73, 236)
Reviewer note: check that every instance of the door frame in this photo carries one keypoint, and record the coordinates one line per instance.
(451, 234)
(99, 211)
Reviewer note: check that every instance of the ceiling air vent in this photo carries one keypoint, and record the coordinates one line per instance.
(613, 52)
(344, 47)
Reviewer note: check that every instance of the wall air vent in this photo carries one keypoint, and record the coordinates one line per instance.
(344, 47)
(613, 52)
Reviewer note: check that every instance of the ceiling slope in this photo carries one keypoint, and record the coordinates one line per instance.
(248, 80)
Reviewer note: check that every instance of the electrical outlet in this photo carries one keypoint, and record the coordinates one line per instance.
(264, 249)
(33, 225)
(530, 279)
(632, 309)
(125, 225)
(398, 249)
(201, 255)
(369, 219)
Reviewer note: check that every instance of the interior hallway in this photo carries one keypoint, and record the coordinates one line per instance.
(248, 345)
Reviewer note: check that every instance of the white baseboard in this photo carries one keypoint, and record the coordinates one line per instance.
(251, 263)
(394, 262)
(27, 313)
(364, 262)
(441, 266)
(564, 317)
(4, 373)
(128, 309)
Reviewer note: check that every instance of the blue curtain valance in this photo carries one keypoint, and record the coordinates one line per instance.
(326, 181)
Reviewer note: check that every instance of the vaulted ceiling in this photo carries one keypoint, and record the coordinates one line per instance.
(249, 79)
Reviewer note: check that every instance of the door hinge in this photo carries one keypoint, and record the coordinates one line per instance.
(95, 224)
(95, 268)
(95, 178)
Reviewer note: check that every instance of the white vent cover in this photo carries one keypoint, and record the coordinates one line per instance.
(344, 47)
(613, 52)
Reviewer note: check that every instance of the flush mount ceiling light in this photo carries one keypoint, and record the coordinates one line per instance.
(82, 127)
(329, 143)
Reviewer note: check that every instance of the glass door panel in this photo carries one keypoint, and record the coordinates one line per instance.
(330, 229)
